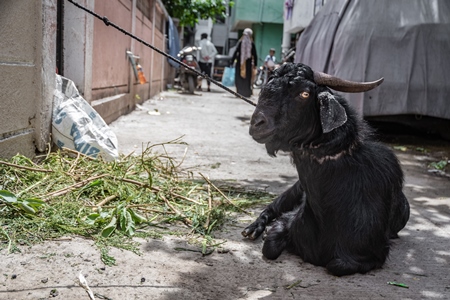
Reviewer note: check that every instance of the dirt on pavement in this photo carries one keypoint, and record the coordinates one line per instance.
(215, 127)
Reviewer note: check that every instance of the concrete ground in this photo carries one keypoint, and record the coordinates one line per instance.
(215, 127)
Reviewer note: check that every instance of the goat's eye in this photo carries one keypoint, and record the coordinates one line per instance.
(304, 95)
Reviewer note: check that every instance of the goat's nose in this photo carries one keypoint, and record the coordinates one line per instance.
(258, 120)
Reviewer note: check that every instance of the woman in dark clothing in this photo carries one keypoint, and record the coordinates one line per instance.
(246, 60)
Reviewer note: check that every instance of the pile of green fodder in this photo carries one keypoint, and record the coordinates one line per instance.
(67, 193)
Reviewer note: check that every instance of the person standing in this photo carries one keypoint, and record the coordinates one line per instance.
(247, 59)
(270, 60)
(207, 53)
(269, 63)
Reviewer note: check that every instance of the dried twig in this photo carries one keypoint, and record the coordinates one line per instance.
(223, 195)
(153, 210)
(75, 163)
(185, 219)
(157, 189)
(104, 201)
(143, 207)
(83, 283)
(77, 153)
(128, 155)
(23, 167)
(73, 186)
(209, 208)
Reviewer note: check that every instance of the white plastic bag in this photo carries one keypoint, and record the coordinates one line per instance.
(76, 125)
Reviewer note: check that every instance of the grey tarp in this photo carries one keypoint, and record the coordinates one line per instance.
(405, 41)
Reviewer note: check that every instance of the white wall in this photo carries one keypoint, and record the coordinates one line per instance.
(203, 26)
(302, 15)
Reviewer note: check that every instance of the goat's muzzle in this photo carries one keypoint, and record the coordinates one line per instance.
(260, 128)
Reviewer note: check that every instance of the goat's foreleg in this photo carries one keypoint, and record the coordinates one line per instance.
(286, 202)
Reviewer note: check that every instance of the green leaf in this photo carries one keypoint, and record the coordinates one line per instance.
(204, 245)
(293, 284)
(108, 230)
(398, 284)
(440, 165)
(127, 224)
(131, 225)
(90, 184)
(94, 183)
(136, 217)
(26, 208)
(35, 203)
(8, 196)
(90, 219)
(122, 218)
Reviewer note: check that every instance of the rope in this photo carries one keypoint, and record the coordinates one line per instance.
(109, 23)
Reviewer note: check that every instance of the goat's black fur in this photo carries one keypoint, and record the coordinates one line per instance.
(348, 201)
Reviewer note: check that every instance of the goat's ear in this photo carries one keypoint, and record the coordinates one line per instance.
(332, 113)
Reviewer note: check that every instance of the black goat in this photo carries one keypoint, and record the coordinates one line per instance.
(348, 201)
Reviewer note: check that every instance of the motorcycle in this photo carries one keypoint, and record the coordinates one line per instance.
(260, 77)
(263, 72)
(289, 55)
(188, 78)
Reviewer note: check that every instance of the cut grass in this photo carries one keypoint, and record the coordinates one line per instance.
(110, 202)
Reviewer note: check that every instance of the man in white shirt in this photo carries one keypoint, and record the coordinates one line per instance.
(207, 53)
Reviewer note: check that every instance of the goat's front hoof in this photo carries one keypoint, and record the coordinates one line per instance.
(254, 230)
(275, 241)
(249, 233)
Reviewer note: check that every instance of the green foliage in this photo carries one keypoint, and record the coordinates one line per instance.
(189, 12)
(27, 206)
(63, 194)
(440, 165)
(106, 258)
(121, 218)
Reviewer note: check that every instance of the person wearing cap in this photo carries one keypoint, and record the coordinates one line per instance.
(247, 59)
(269, 63)
(207, 53)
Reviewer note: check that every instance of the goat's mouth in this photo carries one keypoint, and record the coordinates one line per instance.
(262, 137)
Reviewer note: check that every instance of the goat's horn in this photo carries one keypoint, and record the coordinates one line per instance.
(342, 85)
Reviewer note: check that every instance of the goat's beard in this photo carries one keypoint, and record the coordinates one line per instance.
(271, 151)
(274, 146)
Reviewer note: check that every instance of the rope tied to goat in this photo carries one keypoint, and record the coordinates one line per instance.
(107, 22)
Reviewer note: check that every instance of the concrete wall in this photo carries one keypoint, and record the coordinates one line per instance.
(265, 18)
(266, 36)
(247, 12)
(27, 75)
(302, 14)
